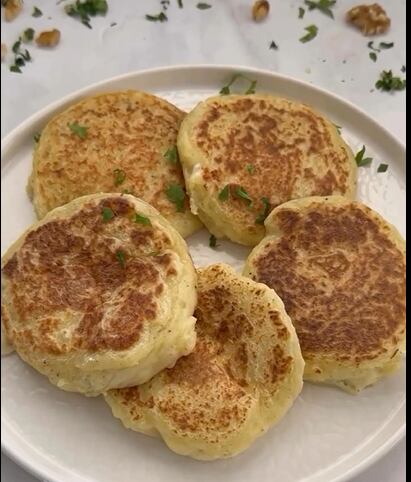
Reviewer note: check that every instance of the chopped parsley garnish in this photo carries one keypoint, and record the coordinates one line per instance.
(121, 257)
(301, 12)
(312, 31)
(273, 45)
(119, 176)
(171, 155)
(251, 89)
(250, 168)
(323, 6)
(203, 6)
(265, 211)
(338, 128)
(20, 57)
(370, 45)
(79, 130)
(382, 168)
(36, 137)
(86, 9)
(403, 69)
(107, 214)
(113, 24)
(242, 193)
(176, 195)
(373, 56)
(386, 45)
(36, 12)
(212, 241)
(224, 193)
(140, 219)
(361, 160)
(161, 17)
(387, 82)
(180, 3)
(28, 35)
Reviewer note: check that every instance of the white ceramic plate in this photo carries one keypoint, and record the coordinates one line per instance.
(327, 436)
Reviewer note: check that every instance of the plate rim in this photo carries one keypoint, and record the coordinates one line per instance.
(39, 468)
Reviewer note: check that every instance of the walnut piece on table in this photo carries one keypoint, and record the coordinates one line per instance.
(260, 10)
(370, 19)
(49, 38)
(11, 9)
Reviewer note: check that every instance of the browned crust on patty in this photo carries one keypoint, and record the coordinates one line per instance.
(341, 277)
(70, 266)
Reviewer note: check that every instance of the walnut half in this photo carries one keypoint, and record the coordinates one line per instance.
(370, 19)
(49, 38)
(11, 9)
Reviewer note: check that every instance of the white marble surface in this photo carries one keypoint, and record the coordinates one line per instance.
(336, 60)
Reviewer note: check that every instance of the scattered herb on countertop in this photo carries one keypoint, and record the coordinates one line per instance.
(20, 57)
(119, 176)
(161, 17)
(140, 219)
(251, 89)
(224, 193)
(370, 45)
(361, 160)
(212, 241)
(242, 194)
(301, 12)
(203, 6)
(273, 45)
(386, 45)
(323, 6)
(382, 168)
(86, 9)
(121, 257)
(15, 68)
(36, 12)
(176, 195)
(28, 35)
(388, 83)
(79, 130)
(312, 31)
(373, 56)
(180, 3)
(250, 168)
(171, 155)
(107, 214)
(265, 211)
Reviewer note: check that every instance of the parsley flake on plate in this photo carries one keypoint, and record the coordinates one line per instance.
(80, 131)
(312, 31)
(203, 6)
(107, 214)
(265, 211)
(121, 257)
(119, 176)
(176, 194)
(361, 160)
(140, 219)
(382, 168)
(251, 89)
(224, 193)
(171, 155)
(36, 12)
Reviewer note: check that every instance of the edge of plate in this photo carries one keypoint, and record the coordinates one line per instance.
(9, 138)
